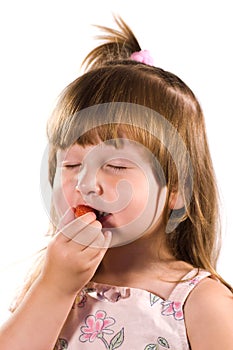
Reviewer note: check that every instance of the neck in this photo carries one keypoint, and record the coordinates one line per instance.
(124, 263)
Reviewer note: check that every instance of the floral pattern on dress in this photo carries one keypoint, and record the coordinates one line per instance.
(80, 300)
(160, 342)
(97, 326)
(173, 308)
(61, 344)
(193, 281)
(154, 299)
(170, 308)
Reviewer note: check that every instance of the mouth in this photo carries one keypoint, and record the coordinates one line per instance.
(101, 215)
(82, 209)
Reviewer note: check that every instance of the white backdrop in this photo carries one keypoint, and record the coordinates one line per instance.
(42, 46)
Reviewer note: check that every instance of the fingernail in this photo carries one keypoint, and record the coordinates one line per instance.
(108, 234)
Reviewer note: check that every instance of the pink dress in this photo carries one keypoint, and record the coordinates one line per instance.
(110, 317)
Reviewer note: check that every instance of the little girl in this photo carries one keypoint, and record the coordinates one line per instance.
(127, 141)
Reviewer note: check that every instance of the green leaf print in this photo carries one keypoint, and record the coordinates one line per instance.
(151, 347)
(163, 342)
(61, 344)
(117, 340)
(153, 299)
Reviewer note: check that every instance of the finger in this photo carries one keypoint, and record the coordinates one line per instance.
(89, 234)
(101, 241)
(66, 219)
(74, 227)
(96, 255)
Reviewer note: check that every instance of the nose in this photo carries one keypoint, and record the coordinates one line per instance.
(88, 184)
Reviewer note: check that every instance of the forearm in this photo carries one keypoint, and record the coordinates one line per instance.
(37, 322)
(68, 266)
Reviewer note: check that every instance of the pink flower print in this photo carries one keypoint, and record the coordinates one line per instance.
(173, 308)
(96, 326)
(194, 281)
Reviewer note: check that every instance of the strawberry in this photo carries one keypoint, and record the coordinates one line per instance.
(82, 209)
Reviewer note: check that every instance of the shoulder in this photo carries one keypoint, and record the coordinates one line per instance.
(209, 316)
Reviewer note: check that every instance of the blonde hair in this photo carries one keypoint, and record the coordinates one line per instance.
(113, 83)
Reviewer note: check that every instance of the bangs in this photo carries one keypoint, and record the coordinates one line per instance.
(113, 133)
(107, 121)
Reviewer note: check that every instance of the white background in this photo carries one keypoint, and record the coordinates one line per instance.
(42, 46)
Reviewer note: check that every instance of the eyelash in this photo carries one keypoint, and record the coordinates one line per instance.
(72, 166)
(116, 168)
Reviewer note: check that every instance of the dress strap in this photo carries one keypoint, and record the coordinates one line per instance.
(182, 290)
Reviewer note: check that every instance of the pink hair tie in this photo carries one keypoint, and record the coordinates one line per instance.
(142, 56)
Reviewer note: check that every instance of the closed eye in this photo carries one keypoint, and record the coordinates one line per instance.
(116, 168)
(72, 166)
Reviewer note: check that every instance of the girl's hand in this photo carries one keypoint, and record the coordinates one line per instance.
(74, 254)
(72, 258)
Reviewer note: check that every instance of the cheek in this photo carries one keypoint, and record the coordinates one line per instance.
(139, 201)
(145, 201)
(138, 197)
(63, 189)
(112, 189)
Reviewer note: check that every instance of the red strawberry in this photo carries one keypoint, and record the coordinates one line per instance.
(82, 209)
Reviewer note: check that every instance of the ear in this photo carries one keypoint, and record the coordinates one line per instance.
(175, 201)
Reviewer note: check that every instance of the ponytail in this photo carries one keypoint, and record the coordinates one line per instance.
(118, 45)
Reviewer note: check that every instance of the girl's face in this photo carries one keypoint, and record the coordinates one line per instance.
(118, 182)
